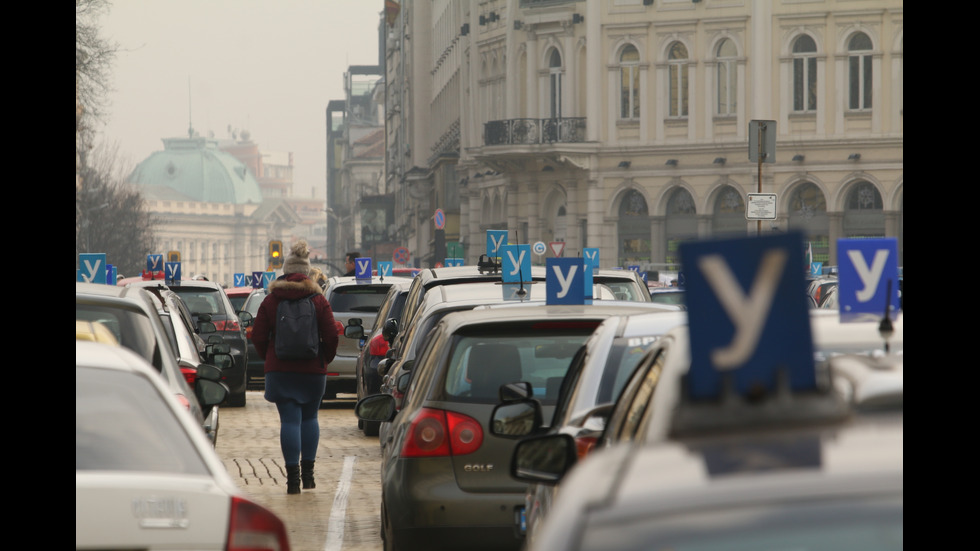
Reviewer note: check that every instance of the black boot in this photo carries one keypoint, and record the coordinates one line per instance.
(307, 474)
(292, 479)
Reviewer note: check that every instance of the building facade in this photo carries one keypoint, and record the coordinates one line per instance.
(624, 124)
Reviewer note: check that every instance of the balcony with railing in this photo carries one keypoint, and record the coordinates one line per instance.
(534, 131)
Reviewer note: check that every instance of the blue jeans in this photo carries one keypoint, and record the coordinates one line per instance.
(299, 432)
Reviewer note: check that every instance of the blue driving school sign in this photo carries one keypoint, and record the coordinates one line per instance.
(516, 263)
(747, 314)
(495, 240)
(864, 268)
(564, 281)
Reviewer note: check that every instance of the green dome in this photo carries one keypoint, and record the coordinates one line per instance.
(194, 169)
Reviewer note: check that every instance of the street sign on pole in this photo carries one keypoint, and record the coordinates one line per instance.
(760, 206)
(762, 141)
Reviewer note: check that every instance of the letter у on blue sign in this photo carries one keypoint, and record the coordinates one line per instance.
(865, 267)
(747, 313)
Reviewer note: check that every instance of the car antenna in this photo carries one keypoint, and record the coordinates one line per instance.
(885, 328)
(520, 292)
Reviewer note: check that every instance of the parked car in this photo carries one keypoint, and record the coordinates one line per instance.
(191, 351)
(440, 487)
(595, 378)
(366, 369)
(145, 475)
(131, 315)
(237, 297)
(255, 369)
(353, 301)
(817, 287)
(667, 295)
(208, 302)
(818, 468)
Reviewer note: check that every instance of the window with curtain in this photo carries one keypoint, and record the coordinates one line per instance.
(677, 80)
(804, 74)
(727, 77)
(859, 71)
(629, 72)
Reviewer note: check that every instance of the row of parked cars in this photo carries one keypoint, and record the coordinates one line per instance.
(153, 364)
(506, 423)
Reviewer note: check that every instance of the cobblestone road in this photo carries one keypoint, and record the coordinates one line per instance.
(342, 512)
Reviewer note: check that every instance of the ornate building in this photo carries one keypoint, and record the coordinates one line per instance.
(624, 124)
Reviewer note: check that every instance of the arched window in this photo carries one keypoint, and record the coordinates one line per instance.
(804, 74)
(677, 80)
(727, 77)
(634, 229)
(808, 213)
(729, 214)
(859, 71)
(555, 71)
(682, 223)
(863, 211)
(629, 72)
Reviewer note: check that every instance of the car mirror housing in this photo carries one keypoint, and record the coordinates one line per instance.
(246, 318)
(209, 372)
(377, 407)
(543, 459)
(206, 327)
(354, 331)
(210, 393)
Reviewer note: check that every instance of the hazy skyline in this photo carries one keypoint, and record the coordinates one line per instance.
(266, 66)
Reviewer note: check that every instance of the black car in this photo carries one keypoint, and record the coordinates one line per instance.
(376, 347)
(207, 301)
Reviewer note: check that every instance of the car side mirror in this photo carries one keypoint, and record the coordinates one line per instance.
(206, 328)
(210, 393)
(354, 330)
(383, 365)
(221, 361)
(389, 329)
(516, 419)
(403, 380)
(208, 372)
(246, 318)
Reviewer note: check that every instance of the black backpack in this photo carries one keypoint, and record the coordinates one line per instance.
(297, 333)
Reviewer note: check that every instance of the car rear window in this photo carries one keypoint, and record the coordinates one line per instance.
(356, 298)
(123, 424)
(131, 327)
(481, 363)
(200, 300)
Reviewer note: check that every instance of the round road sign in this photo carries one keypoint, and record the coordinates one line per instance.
(539, 247)
(400, 255)
(440, 219)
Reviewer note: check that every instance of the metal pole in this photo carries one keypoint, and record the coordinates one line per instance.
(758, 223)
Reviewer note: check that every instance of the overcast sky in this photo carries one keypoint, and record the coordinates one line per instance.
(266, 66)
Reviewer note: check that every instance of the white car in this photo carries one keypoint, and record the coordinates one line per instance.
(146, 476)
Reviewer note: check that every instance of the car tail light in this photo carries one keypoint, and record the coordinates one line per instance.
(255, 528)
(227, 325)
(584, 445)
(340, 327)
(190, 375)
(436, 433)
(378, 346)
(248, 332)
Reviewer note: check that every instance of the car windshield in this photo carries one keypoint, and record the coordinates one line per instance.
(122, 423)
(201, 300)
(131, 327)
(356, 298)
(481, 363)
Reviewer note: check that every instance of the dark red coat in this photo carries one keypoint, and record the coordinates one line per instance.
(290, 287)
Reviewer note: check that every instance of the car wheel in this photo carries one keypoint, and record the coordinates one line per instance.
(236, 400)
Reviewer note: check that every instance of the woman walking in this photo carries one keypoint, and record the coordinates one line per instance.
(296, 386)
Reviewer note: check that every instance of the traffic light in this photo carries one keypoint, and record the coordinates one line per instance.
(275, 254)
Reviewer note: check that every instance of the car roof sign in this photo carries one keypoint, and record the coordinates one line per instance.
(565, 281)
(865, 268)
(747, 315)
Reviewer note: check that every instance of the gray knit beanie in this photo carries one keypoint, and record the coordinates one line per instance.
(298, 260)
